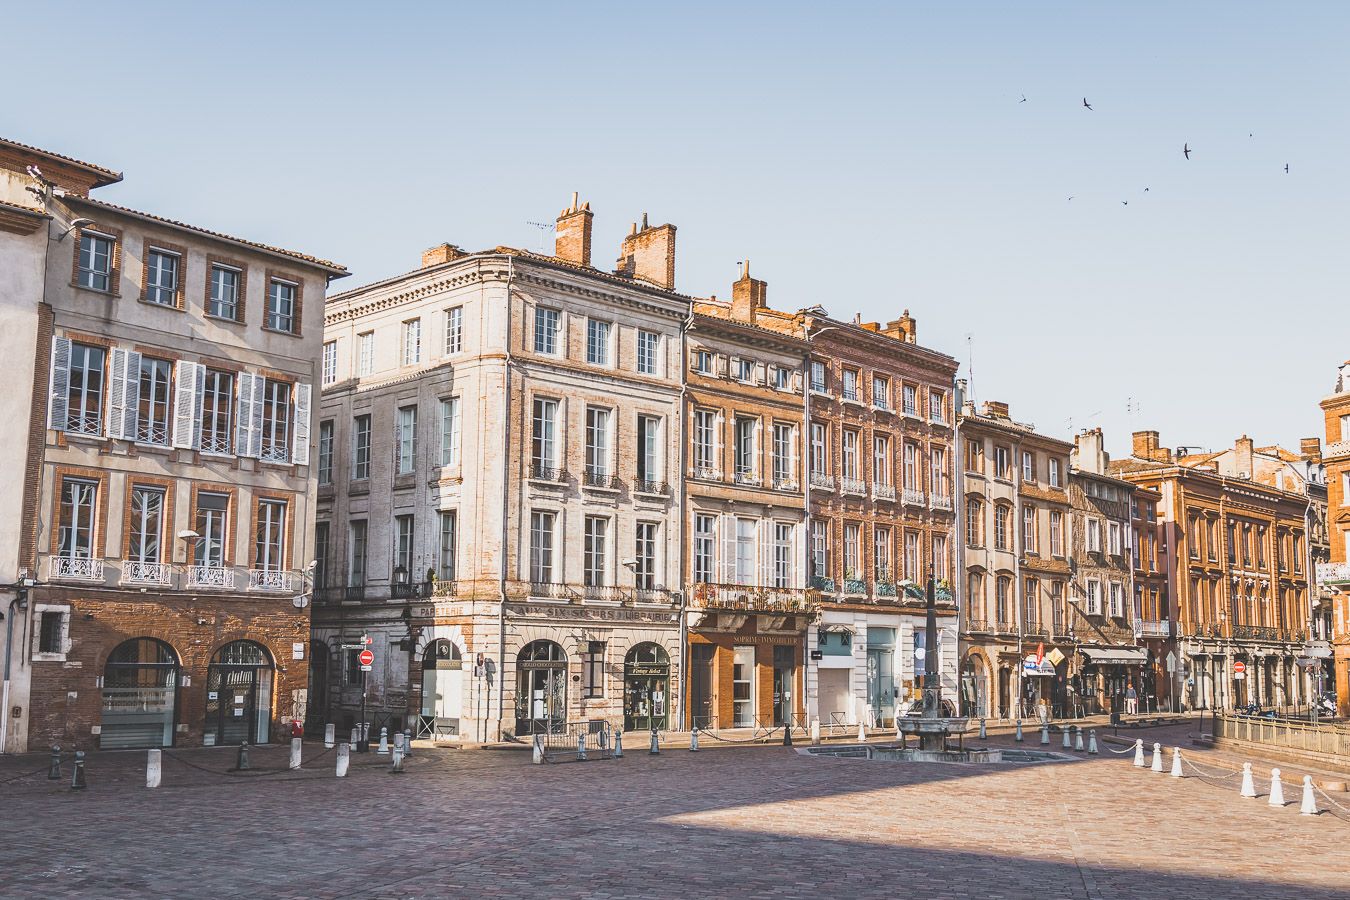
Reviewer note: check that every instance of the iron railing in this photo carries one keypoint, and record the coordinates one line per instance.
(1333, 740)
(88, 423)
(541, 472)
(136, 572)
(595, 478)
(210, 577)
(822, 481)
(77, 568)
(648, 486)
(883, 491)
(269, 580)
(752, 598)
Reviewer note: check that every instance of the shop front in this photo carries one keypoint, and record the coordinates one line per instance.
(140, 688)
(745, 680)
(541, 688)
(1106, 676)
(646, 688)
(239, 695)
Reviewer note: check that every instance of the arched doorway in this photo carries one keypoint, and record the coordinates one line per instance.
(239, 695)
(541, 688)
(975, 686)
(442, 686)
(646, 685)
(140, 689)
(316, 698)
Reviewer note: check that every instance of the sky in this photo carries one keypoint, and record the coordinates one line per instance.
(868, 157)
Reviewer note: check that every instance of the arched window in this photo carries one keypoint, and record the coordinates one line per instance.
(239, 695)
(442, 689)
(140, 686)
(442, 654)
(541, 688)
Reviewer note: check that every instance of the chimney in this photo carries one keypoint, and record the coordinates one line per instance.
(573, 240)
(995, 409)
(1311, 449)
(902, 329)
(1242, 457)
(1088, 452)
(1145, 445)
(441, 253)
(748, 295)
(648, 253)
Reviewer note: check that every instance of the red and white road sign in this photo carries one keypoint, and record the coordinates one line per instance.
(366, 658)
(1239, 667)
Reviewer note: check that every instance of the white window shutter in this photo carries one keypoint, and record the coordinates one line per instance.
(189, 378)
(117, 391)
(244, 429)
(300, 452)
(765, 541)
(256, 425)
(718, 425)
(728, 525)
(58, 399)
(793, 455)
(131, 396)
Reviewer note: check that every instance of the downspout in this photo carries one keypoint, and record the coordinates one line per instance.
(959, 579)
(804, 464)
(506, 501)
(1018, 589)
(683, 516)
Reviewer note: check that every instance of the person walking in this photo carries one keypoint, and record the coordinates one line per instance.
(1131, 699)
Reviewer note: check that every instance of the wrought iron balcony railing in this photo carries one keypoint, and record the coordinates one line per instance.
(210, 577)
(855, 586)
(77, 568)
(136, 572)
(822, 481)
(883, 491)
(596, 478)
(750, 598)
(269, 580)
(540, 471)
(823, 584)
(1147, 628)
(655, 488)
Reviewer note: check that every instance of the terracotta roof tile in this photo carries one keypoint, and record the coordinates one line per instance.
(109, 176)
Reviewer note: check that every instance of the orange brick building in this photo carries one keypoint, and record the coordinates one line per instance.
(1336, 574)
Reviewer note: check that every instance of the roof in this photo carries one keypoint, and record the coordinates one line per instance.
(332, 267)
(102, 174)
(23, 210)
(856, 330)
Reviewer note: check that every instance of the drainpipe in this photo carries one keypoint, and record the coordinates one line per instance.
(959, 579)
(20, 595)
(804, 462)
(1018, 541)
(506, 500)
(683, 517)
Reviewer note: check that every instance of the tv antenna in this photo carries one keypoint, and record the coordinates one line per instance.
(970, 363)
(543, 228)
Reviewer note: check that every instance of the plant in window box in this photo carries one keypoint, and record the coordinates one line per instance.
(942, 591)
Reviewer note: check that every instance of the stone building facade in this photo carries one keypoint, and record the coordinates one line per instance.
(1154, 613)
(881, 452)
(167, 538)
(1334, 576)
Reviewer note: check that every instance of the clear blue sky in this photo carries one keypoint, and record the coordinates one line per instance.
(869, 157)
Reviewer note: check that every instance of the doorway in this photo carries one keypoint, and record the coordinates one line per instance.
(743, 687)
(140, 687)
(881, 675)
(784, 676)
(239, 695)
(442, 686)
(701, 697)
(646, 678)
(541, 689)
(316, 700)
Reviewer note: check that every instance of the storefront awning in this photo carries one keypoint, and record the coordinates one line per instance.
(1115, 656)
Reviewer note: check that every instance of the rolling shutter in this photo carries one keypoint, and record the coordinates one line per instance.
(58, 399)
(300, 452)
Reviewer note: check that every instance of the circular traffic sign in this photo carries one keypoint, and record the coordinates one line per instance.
(366, 657)
(1239, 667)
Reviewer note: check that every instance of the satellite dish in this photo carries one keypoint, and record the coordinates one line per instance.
(300, 601)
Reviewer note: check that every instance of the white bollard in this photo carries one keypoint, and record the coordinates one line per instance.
(538, 749)
(329, 735)
(153, 768)
(384, 741)
(1045, 734)
(618, 744)
(356, 736)
(1248, 786)
(1078, 738)
(295, 753)
(1092, 742)
(815, 731)
(983, 734)
(1065, 742)
(396, 760)
(1176, 763)
(1276, 789)
(1309, 807)
(1157, 758)
(344, 758)
(1018, 736)
(1139, 753)
(581, 747)
(693, 740)
(407, 743)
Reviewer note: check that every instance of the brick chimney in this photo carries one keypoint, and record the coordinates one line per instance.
(573, 240)
(1089, 454)
(1310, 449)
(1145, 445)
(441, 253)
(903, 329)
(994, 409)
(1242, 457)
(648, 254)
(748, 295)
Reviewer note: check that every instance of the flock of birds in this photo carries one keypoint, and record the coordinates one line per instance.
(1185, 147)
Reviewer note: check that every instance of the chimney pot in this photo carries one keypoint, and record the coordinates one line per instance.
(572, 234)
(649, 255)
(441, 253)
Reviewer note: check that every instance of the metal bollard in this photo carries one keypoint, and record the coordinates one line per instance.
(862, 731)
(384, 741)
(618, 744)
(693, 741)
(983, 734)
(815, 731)
(1157, 758)
(581, 747)
(329, 735)
(1276, 789)
(54, 773)
(153, 768)
(344, 759)
(1139, 753)
(538, 756)
(1309, 807)
(1018, 736)
(1066, 742)
(77, 781)
(1248, 786)
(604, 740)
(407, 743)
(396, 761)
(1176, 763)
(241, 761)
(296, 750)
(1092, 742)
(656, 749)
(1078, 738)
(1045, 734)
(787, 735)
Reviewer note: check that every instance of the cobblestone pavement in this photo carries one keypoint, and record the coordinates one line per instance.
(744, 822)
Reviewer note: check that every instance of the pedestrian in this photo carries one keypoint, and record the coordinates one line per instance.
(1131, 699)
(1043, 712)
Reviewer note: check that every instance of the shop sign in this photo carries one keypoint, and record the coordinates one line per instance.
(648, 669)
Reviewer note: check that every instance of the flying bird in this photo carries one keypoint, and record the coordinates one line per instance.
(1145, 190)
(1186, 149)
(1286, 168)
(1024, 99)
(1087, 104)
(1124, 203)
(1070, 198)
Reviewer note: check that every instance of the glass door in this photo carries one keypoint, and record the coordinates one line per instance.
(743, 687)
(784, 674)
(701, 704)
(881, 685)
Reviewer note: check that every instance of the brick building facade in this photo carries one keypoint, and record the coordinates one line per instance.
(1334, 575)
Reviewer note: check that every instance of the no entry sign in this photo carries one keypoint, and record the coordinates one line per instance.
(366, 658)
(1239, 667)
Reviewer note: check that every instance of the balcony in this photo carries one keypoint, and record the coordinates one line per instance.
(855, 586)
(156, 433)
(911, 497)
(215, 443)
(210, 577)
(883, 492)
(852, 396)
(1256, 633)
(269, 580)
(541, 471)
(977, 626)
(748, 479)
(599, 479)
(76, 568)
(822, 584)
(789, 485)
(749, 598)
(654, 595)
(854, 486)
(1333, 573)
(1036, 632)
(707, 473)
(550, 590)
(822, 481)
(1336, 448)
(134, 572)
(654, 488)
(90, 424)
(610, 593)
(275, 453)
(1146, 628)
(885, 589)
(1005, 627)
(939, 501)
(882, 406)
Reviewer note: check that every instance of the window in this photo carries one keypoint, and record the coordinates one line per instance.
(412, 342)
(223, 297)
(1117, 607)
(818, 382)
(321, 554)
(403, 549)
(1001, 514)
(913, 561)
(644, 573)
(329, 362)
(594, 552)
(543, 437)
(820, 549)
(975, 456)
(593, 670)
(1094, 536)
(445, 563)
(146, 526)
(745, 451)
(1057, 606)
(649, 470)
(212, 520)
(84, 392)
(270, 536)
(937, 472)
(276, 421)
(1054, 472)
(818, 463)
(648, 346)
(597, 342)
(356, 567)
(450, 429)
(704, 541)
(1003, 608)
(881, 392)
(1211, 542)
(974, 522)
(881, 459)
(784, 455)
(95, 266)
(365, 342)
(881, 553)
(743, 551)
(454, 330)
(1029, 529)
(53, 625)
(937, 406)
(782, 378)
(849, 388)
(1094, 597)
(703, 362)
(597, 441)
(852, 559)
(161, 277)
(217, 412)
(406, 440)
(361, 447)
(547, 323)
(152, 415)
(975, 599)
(1028, 466)
(940, 557)
(911, 464)
(541, 547)
(1056, 533)
(910, 400)
(281, 302)
(79, 499)
(1002, 463)
(745, 371)
(705, 444)
(1113, 538)
(1031, 602)
(782, 554)
(848, 455)
(326, 452)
